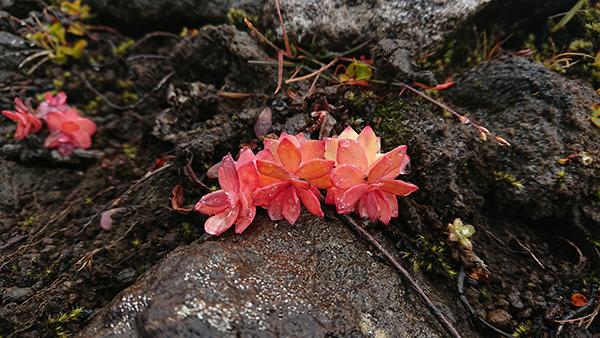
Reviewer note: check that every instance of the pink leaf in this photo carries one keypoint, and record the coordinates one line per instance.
(350, 152)
(213, 203)
(314, 169)
(347, 175)
(370, 143)
(246, 215)
(347, 200)
(219, 223)
(264, 196)
(372, 206)
(106, 221)
(228, 177)
(289, 155)
(310, 201)
(397, 187)
(263, 122)
(272, 170)
(312, 149)
(385, 209)
(275, 207)
(290, 206)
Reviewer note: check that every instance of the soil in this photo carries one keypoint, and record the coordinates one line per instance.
(161, 106)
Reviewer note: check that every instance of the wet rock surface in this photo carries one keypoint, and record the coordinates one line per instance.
(313, 279)
(423, 22)
(334, 22)
(12, 50)
(546, 118)
(166, 12)
(220, 56)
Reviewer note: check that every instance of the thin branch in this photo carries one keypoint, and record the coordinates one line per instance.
(153, 35)
(461, 292)
(483, 132)
(308, 76)
(118, 200)
(405, 274)
(528, 250)
(286, 41)
(131, 106)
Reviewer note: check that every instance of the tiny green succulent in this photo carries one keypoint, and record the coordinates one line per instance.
(461, 233)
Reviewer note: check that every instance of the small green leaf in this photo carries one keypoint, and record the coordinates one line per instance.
(596, 114)
(570, 14)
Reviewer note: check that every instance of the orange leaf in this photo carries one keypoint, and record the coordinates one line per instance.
(177, 200)
(579, 300)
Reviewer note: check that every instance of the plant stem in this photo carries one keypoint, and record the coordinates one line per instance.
(405, 274)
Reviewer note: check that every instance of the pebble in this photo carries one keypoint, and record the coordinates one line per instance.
(499, 317)
(126, 276)
(16, 294)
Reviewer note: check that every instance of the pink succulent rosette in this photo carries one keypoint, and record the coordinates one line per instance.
(291, 169)
(27, 122)
(52, 104)
(68, 130)
(363, 179)
(232, 205)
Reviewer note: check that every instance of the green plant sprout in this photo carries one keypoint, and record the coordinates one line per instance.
(459, 232)
(508, 178)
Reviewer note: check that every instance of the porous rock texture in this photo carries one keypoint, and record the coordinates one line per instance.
(314, 279)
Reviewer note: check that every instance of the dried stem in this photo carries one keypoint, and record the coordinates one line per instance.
(461, 291)
(483, 132)
(315, 73)
(452, 331)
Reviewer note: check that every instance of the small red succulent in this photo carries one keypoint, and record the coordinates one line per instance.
(363, 179)
(291, 170)
(27, 121)
(232, 205)
(68, 130)
(51, 104)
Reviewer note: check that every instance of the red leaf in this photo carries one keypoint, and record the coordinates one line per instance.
(263, 122)
(579, 300)
(177, 200)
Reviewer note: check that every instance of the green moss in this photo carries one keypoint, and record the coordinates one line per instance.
(522, 330)
(55, 325)
(430, 257)
(29, 221)
(129, 97)
(123, 47)
(390, 118)
(508, 178)
(236, 16)
(130, 151)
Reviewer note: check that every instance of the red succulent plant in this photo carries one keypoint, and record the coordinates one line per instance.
(232, 205)
(27, 121)
(363, 179)
(51, 104)
(68, 130)
(291, 170)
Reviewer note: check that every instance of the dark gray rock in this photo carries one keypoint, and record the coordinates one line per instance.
(394, 59)
(169, 13)
(12, 50)
(219, 56)
(546, 118)
(312, 279)
(5, 24)
(332, 22)
(16, 294)
(339, 22)
(499, 318)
